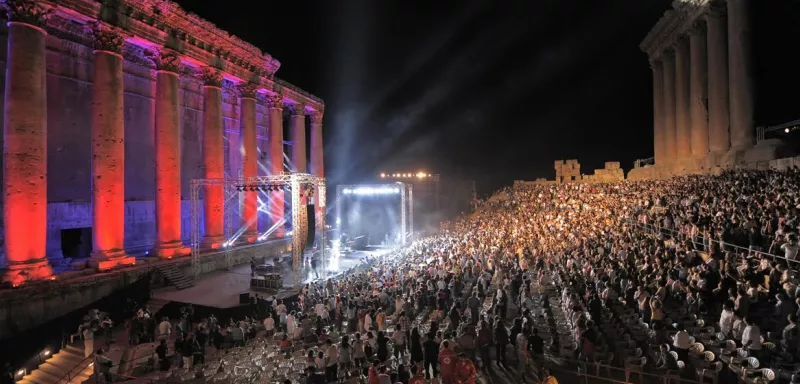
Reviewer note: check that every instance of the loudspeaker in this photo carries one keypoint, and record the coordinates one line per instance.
(244, 298)
(312, 225)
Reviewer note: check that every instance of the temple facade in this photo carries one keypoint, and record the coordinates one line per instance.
(112, 107)
(700, 53)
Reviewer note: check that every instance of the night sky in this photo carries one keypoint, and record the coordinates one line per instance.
(491, 90)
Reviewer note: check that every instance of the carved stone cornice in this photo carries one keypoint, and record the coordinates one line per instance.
(247, 90)
(164, 59)
(26, 11)
(674, 23)
(272, 65)
(275, 101)
(315, 117)
(297, 109)
(211, 76)
(107, 38)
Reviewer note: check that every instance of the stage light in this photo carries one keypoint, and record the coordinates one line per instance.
(786, 130)
(421, 175)
(383, 175)
(373, 191)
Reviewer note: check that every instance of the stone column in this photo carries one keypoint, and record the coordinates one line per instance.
(168, 155)
(213, 159)
(276, 158)
(317, 164)
(740, 76)
(670, 133)
(718, 107)
(249, 149)
(299, 138)
(698, 91)
(658, 114)
(108, 152)
(25, 148)
(683, 122)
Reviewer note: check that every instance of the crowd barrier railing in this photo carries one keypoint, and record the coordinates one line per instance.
(586, 370)
(653, 229)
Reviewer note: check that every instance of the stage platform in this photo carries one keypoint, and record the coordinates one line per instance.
(221, 289)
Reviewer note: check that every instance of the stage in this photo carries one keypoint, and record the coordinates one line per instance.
(221, 289)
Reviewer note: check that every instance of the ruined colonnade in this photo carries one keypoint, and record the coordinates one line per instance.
(703, 97)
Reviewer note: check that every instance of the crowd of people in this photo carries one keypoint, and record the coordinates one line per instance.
(546, 279)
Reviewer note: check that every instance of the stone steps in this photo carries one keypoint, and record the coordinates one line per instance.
(175, 277)
(69, 361)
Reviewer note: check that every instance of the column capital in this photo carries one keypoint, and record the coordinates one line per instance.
(656, 64)
(107, 38)
(275, 101)
(698, 28)
(316, 117)
(165, 59)
(247, 90)
(211, 76)
(717, 9)
(26, 11)
(297, 109)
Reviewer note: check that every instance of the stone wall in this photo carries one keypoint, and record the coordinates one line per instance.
(29, 307)
(69, 91)
(567, 170)
(611, 172)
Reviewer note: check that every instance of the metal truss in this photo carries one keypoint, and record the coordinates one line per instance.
(411, 208)
(406, 198)
(300, 185)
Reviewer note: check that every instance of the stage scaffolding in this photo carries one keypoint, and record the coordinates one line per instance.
(297, 184)
(406, 205)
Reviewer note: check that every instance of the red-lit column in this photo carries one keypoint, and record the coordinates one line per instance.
(25, 153)
(168, 155)
(298, 132)
(247, 125)
(108, 152)
(213, 159)
(317, 164)
(276, 158)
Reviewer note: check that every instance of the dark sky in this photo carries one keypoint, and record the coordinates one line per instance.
(494, 90)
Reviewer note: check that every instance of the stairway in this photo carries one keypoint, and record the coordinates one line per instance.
(70, 360)
(175, 276)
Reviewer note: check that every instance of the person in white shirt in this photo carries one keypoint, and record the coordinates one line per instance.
(751, 338)
(331, 362)
(164, 329)
(269, 326)
(681, 344)
(726, 318)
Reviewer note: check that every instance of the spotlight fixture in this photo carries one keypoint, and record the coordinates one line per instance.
(383, 175)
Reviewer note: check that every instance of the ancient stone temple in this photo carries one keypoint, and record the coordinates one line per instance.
(703, 91)
(111, 107)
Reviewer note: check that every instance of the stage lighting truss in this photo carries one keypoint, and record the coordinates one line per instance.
(406, 201)
(300, 185)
